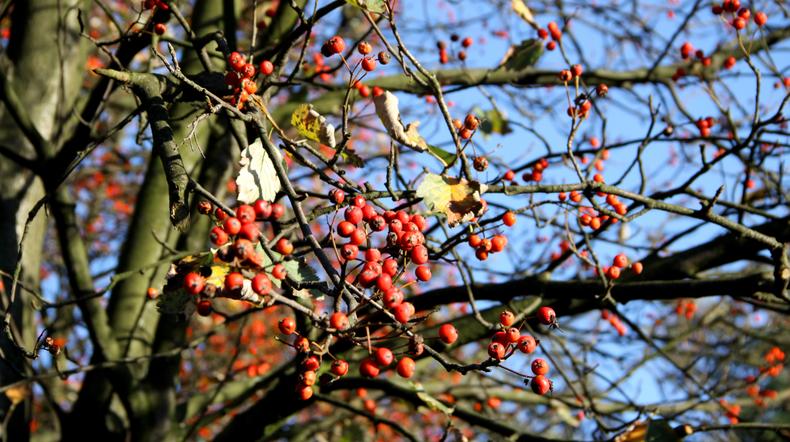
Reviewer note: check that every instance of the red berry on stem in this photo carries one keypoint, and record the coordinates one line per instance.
(383, 356)
(287, 326)
(406, 367)
(509, 218)
(448, 334)
(547, 316)
(368, 368)
(496, 350)
(527, 344)
(423, 273)
(234, 281)
(194, 283)
(540, 385)
(507, 318)
(232, 225)
(266, 67)
(540, 366)
(261, 284)
(218, 236)
(339, 321)
(339, 367)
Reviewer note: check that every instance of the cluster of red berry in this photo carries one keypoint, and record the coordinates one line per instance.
(554, 31)
(159, 27)
(467, 127)
(740, 16)
(236, 239)
(775, 362)
(444, 56)
(509, 339)
(686, 308)
(241, 77)
(620, 262)
(495, 244)
(704, 125)
(615, 321)
(536, 174)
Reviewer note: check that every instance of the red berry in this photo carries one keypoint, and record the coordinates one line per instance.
(423, 273)
(266, 67)
(234, 281)
(304, 392)
(368, 368)
(760, 18)
(507, 318)
(277, 211)
(403, 312)
(337, 196)
(245, 213)
(218, 236)
(498, 243)
(540, 366)
(384, 282)
(232, 226)
(383, 356)
(613, 272)
(236, 61)
(339, 367)
(335, 45)
(284, 247)
(364, 48)
(738, 23)
(345, 228)
(540, 385)
(509, 218)
(369, 64)
(392, 297)
(547, 316)
(513, 334)
(353, 214)
(339, 321)
(160, 29)
(419, 254)
(636, 268)
(496, 350)
(448, 334)
(287, 326)
(620, 260)
(527, 344)
(406, 367)
(475, 240)
(204, 307)
(466, 42)
(279, 272)
(349, 252)
(263, 209)
(261, 284)
(194, 283)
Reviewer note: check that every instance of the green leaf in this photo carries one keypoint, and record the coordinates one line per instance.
(494, 122)
(177, 302)
(660, 431)
(442, 155)
(371, 5)
(312, 125)
(298, 270)
(524, 55)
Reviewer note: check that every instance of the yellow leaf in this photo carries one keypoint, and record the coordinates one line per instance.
(459, 199)
(18, 393)
(218, 274)
(520, 8)
(312, 125)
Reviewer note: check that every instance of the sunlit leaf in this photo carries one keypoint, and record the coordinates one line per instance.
(521, 9)
(377, 6)
(458, 199)
(218, 273)
(524, 55)
(312, 125)
(18, 393)
(442, 155)
(257, 178)
(389, 114)
(494, 122)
